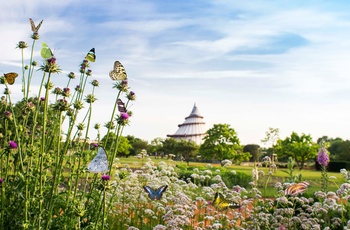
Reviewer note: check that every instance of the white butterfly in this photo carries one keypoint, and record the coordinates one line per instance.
(100, 163)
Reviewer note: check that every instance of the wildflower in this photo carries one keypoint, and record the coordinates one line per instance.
(71, 75)
(124, 116)
(1, 180)
(78, 88)
(131, 96)
(90, 98)
(97, 126)
(49, 85)
(50, 66)
(61, 105)
(88, 72)
(22, 45)
(95, 83)
(80, 126)
(57, 91)
(34, 63)
(110, 125)
(42, 98)
(78, 105)
(323, 158)
(13, 145)
(95, 145)
(122, 86)
(106, 177)
(30, 106)
(8, 115)
(66, 92)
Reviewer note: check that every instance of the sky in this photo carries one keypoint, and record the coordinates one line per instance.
(250, 64)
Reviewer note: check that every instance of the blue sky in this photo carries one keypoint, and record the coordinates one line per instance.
(251, 64)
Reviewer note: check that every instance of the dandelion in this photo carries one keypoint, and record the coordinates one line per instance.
(13, 145)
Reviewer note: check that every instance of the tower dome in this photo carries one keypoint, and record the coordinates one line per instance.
(193, 128)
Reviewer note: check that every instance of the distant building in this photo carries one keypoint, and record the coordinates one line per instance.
(193, 128)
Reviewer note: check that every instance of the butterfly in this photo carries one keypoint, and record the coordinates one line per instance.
(296, 189)
(221, 203)
(90, 56)
(35, 29)
(100, 163)
(121, 106)
(10, 77)
(46, 52)
(118, 72)
(155, 194)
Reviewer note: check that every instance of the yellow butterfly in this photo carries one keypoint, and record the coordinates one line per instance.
(10, 77)
(222, 204)
(46, 52)
(118, 73)
(296, 189)
(91, 56)
(35, 29)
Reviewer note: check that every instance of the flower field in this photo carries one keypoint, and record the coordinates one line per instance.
(52, 178)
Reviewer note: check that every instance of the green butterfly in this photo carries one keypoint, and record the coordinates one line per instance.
(91, 57)
(46, 52)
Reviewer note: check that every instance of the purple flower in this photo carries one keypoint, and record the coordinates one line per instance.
(95, 145)
(13, 145)
(106, 177)
(323, 158)
(42, 98)
(124, 116)
(1, 180)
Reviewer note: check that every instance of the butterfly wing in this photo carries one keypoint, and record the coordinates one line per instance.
(222, 204)
(91, 56)
(118, 72)
(150, 191)
(296, 189)
(155, 194)
(121, 106)
(46, 52)
(10, 77)
(160, 191)
(35, 29)
(100, 163)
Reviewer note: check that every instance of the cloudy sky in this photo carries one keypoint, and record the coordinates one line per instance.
(250, 64)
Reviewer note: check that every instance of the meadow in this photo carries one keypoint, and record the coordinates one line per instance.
(50, 179)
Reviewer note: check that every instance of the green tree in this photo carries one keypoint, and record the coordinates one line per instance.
(124, 146)
(221, 142)
(254, 150)
(300, 148)
(156, 146)
(137, 145)
(187, 149)
(168, 146)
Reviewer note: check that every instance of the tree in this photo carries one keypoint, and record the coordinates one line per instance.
(301, 148)
(221, 142)
(254, 150)
(187, 149)
(137, 145)
(156, 146)
(272, 135)
(124, 146)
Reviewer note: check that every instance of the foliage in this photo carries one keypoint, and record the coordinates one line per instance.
(254, 150)
(137, 145)
(301, 148)
(222, 142)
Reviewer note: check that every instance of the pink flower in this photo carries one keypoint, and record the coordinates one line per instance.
(106, 177)
(323, 158)
(124, 116)
(13, 145)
